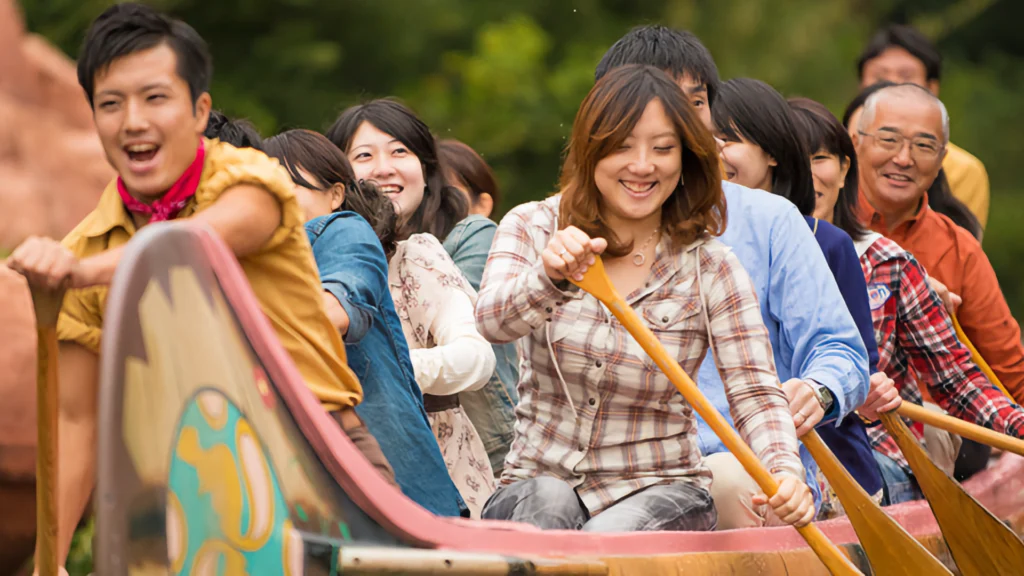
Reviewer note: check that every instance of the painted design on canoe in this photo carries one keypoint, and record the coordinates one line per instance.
(220, 477)
(186, 347)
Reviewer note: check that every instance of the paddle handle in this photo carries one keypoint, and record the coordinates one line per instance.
(961, 428)
(47, 395)
(976, 357)
(833, 559)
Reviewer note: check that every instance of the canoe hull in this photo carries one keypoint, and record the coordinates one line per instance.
(215, 456)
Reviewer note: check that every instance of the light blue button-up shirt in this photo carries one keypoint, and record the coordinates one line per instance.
(812, 333)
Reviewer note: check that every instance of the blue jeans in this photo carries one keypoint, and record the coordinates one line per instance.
(551, 504)
(899, 486)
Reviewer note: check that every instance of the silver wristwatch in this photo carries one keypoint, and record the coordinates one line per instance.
(825, 398)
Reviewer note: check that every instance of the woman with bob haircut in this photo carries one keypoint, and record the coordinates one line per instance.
(492, 408)
(762, 148)
(833, 161)
(351, 227)
(603, 440)
(387, 144)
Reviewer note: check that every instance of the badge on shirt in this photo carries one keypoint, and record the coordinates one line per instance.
(877, 295)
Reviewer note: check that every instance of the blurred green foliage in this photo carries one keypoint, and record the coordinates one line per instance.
(507, 77)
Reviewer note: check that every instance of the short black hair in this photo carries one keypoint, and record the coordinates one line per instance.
(238, 133)
(128, 28)
(677, 52)
(761, 115)
(818, 129)
(908, 38)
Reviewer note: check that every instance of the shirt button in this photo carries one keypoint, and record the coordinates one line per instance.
(548, 309)
(663, 318)
(598, 363)
(593, 401)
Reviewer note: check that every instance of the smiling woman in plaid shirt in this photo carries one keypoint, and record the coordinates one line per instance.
(917, 344)
(603, 440)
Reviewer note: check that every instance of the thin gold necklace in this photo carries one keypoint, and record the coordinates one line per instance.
(638, 257)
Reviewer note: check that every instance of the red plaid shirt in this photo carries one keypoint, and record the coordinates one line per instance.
(918, 345)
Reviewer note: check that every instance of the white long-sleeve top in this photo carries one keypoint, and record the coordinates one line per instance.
(435, 303)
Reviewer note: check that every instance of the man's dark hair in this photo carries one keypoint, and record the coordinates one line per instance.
(677, 52)
(908, 38)
(128, 28)
(238, 133)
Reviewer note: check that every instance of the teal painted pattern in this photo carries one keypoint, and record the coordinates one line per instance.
(225, 507)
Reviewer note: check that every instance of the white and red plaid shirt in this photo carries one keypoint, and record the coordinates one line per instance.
(918, 344)
(594, 409)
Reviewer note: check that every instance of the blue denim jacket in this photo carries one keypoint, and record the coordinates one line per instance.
(354, 269)
(492, 408)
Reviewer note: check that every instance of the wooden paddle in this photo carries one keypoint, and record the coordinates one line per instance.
(976, 357)
(980, 543)
(961, 428)
(596, 282)
(889, 548)
(47, 305)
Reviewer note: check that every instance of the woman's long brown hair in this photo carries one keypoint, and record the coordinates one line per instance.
(605, 119)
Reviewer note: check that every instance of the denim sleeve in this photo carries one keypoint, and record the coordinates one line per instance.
(469, 244)
(818, 337)
(354, 270)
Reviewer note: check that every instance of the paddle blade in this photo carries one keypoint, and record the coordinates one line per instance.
(889, 548)
(980, 543)
(595, 281)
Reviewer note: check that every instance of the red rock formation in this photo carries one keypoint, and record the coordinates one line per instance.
(51, 162)
(52, 171)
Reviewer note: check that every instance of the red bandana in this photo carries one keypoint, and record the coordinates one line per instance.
(168, 206)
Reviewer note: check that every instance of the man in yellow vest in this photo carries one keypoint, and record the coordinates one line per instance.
(902, 54)
(146, 77)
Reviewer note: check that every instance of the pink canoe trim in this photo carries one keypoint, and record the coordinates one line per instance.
(998, 488)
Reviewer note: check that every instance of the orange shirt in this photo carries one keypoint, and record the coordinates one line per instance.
(954, 257)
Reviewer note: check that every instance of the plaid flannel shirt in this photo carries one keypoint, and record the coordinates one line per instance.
(594, 409)
(918, 345)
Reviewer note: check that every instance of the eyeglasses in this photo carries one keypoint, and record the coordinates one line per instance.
(920, 148)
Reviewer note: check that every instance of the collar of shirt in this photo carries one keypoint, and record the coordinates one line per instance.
(874, 219)
(110, 212)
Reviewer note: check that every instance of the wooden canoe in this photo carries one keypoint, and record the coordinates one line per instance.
(216, 459)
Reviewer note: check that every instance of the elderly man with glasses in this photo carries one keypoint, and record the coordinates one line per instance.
(901, 140)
